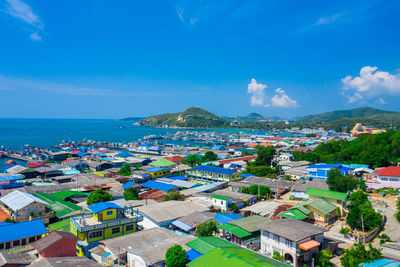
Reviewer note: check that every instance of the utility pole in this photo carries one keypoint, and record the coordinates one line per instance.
(362, 224)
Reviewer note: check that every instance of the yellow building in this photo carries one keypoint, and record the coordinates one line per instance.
(208, 174)
(361, 129)
(107, 220)
(158, 172)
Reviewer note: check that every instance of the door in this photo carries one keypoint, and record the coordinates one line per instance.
(100, 216)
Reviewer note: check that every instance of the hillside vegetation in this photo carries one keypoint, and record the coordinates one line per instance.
(192, 117)
(347, 114)
(376, 150)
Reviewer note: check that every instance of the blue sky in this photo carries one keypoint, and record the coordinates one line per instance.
(112, 59)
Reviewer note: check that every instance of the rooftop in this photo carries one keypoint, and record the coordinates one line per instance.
(52, 238)
(213, 169)
(249, 223)
(393, 171)
(326, 193)
(61, 208)
(14, 231)
(17, 200)
(98, 207)
(64, 262)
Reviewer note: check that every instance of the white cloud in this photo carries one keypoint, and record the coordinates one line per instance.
(371, 84)
(257, 93)
(20, 10)
(282, 100)
(258, 96)
(380, 101)
(35, 36)
(328, 20)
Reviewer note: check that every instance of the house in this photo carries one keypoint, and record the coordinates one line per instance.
(97, 166)
(214, 251)
(276, 186)
(286, 164)
(21, 235)
(240, 199)
(47, 172)
(336, 198)
(144, 248)
(56, 244)
(223, 218)
(57, 156)
(208, 174)
(297, 173)
(295, 240)
(164, 213)
(17, 259)
(107, 220)
(317, 210)
(64, 262)
(221, 202)
(61, 209)
(244, 231)
(188, 224)
(22, 206)
(320, 171)
(162, 162)
(158, 171)
(298, 190)
(388, 177)
(285, 157)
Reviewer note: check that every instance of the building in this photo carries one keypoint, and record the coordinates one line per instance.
(144, 248)
(64, 262)
(158, 171)
(22, 207)
(97, 166)
(316, 210)
(56, 244)
(214, 251)
(107, 220)
(60, 208)
(15, 259)
(21, 235)
(296, 241)
(320, 171)
(388, 177)
(221, 202)
(336, 198)
(240, 199)
(244, 232)
(276, 186)
(208, 174)
(361, 129)
(188, 224)
(298, 190)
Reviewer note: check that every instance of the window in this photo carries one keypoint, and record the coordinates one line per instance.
(31, 239)
(2, 246)
(115, 230)
(288, 243)
(275, 237)
(109, 212)
(15, 243)
(95, 234)
(129, 227)
(222, 203)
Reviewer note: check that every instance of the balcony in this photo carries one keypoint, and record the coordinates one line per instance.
(86, 222)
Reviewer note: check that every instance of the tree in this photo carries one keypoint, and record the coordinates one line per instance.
(174, 195)
(339, 183)
(322, 258)
(8, 220)
(259, 191)
(359, 254)
(397, 214)
(175, 257)
(98, 196)
(125, 170)
(265, 155)
(192, 161)
(131, 194)
(206, 229)
(209, 156)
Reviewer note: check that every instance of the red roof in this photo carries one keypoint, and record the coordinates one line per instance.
(389, 171)
(237, 159)
(174, 159)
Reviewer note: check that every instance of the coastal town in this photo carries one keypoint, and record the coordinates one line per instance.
(198, 198)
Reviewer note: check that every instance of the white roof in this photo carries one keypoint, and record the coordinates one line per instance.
(16, 169)
(18, 200)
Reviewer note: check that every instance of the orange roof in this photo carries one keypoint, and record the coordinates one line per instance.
(4, 215)
(10, 161)
(252, 145)
(174, 159)
(265, 144)
(309, 245)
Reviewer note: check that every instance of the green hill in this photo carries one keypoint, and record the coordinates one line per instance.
(193, 117)
(348, 114)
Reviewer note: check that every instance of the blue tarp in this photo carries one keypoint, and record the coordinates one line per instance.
(192, 255)
(81, 154)
(226, 217)
(128, 184)
(124, 155)
(158, 185)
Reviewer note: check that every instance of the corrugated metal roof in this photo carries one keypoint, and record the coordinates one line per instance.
(98, 207)
(214, 170)
(15, 231)
(158, 185)
(18, 200)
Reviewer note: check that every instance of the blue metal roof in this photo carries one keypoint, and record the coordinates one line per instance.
(246, 175)
(182, 225)
(11, 177)
(177, 178)
(15, 231)
(158, 185)
(98, 207)
(213, 169)
(226, 217)
(124, 155)
(324, 166)
(192, 255)
(128, 184)
(81, 154)
(156, 169)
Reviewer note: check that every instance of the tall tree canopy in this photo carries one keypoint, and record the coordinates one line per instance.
(337, 182)
(125, 170)
(98, 196)
(175, 257)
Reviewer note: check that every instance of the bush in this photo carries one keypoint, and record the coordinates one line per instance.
(174, 195)
(277, 256)
(131, 194)
(359, 254)
(206, 229)
(175, 257)
(98, 196)
(125, 170)
(322, 258)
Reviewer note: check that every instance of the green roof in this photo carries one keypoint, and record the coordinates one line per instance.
(207, 243)
(301, 208)
(232, 257)
(63, 225)
(220, 197)
(68, 193)
(321, 205)
(294, 214)
(250, 223)
(162, 163)
(60, 207)
(237, 231)
(326, 193)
